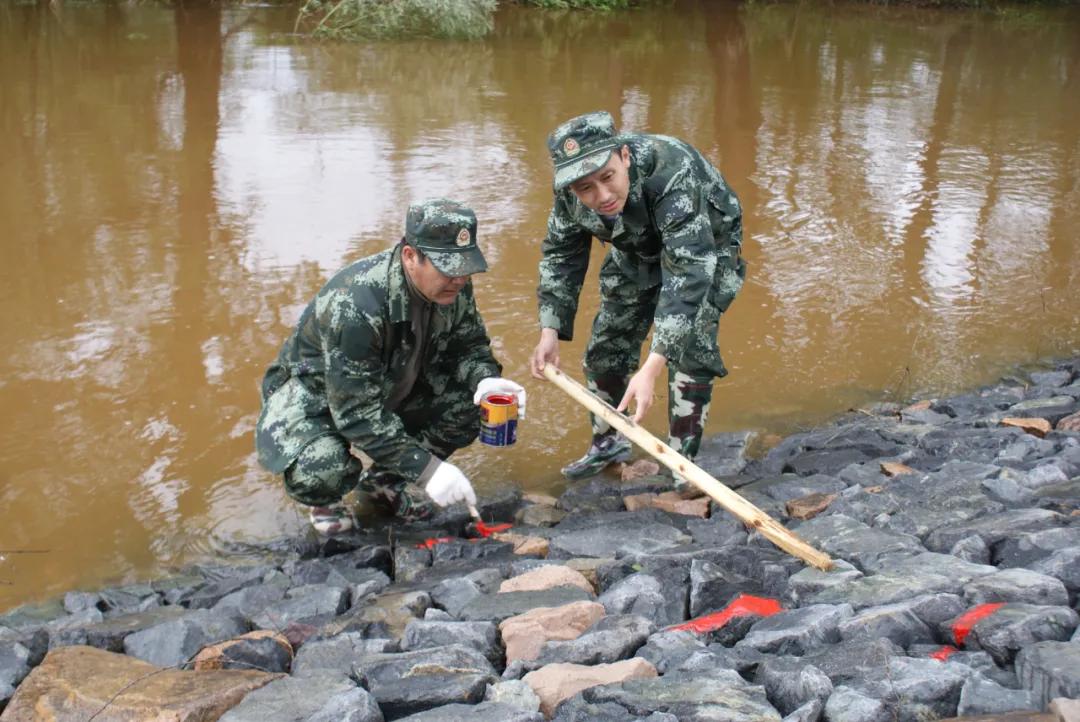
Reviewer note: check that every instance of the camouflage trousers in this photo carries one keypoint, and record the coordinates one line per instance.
(326, 470)
(613, 354)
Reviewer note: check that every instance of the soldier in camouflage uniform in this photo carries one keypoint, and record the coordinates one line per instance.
(389, 359)
(675, 230)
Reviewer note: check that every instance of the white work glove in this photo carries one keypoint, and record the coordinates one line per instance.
(449, 486)
(496, 385)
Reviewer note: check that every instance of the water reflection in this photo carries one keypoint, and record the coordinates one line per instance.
(178, 183)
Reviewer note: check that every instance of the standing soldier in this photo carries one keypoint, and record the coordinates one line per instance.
(675, 230)
(389, 359)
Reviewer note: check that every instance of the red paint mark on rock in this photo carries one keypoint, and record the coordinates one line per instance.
(486, 530)
(963, 625)
(741, 606)
(943, 653)
(433, 541)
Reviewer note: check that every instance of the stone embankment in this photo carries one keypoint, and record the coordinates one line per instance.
(954, 524)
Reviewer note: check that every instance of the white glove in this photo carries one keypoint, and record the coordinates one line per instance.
(495, 385)
(449, 486)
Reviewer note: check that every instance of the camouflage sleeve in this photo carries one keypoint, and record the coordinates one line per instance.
(471, 346)
(687, 263)
(354, 392)
(728, 237)
(564, 260)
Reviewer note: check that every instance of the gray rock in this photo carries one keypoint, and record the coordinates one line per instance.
(1015, 626)
(1053, 379)
(848, 662)
(514, 693)
(640, 594)
(576, 709)
(71, 629)
(497, 607)
(995, 528)
(611, 639)
(849, 705)
(1063, 564)
(409, 561)
(1017, 585)
(1042, 476)
(483, 712)
(1050, 670)
(109, 634)
(80, 601)
(172, 643)
(720, 529)
(790, 683)
(1024, 550)
(249, 601)
(810, 580)
(327, 657)
(895, 622)
(1008, 491)
(690, 698)
(620, 536)
(1052, 409)
(455, 595)
(798, 631)
(471, 549)
(863, 474)
(313, 601)
(221, 583)
(971, 549)
(423, 679)
(902, 578)
(713, 586)
(809, 712)
(481, 636)
(326, 698)
(980, 695)
(918, 689)
(724, 454)
(665, 650)
(790, 487)
(14, 666)
(854, 541)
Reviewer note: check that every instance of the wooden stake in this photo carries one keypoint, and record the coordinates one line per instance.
(725, 497)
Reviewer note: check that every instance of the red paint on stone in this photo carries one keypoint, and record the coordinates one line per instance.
(432, 542)
(743, 605)
(486, 530)
(963, 625)
(943, 653)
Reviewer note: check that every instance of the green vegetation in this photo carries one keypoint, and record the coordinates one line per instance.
(351, 19)
(581, 4)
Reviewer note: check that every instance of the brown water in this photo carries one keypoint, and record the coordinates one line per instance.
(175, 186)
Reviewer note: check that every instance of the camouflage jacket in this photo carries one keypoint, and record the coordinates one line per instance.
(681, 226)
(336, 370)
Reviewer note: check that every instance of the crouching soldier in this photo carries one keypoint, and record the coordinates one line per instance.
(389, 359)
(674, 264)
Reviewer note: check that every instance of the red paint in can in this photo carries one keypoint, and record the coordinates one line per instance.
(498, 419)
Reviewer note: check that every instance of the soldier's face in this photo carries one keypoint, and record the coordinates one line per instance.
(434, 285)
(605, 190)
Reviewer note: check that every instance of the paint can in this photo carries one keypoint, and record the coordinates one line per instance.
(498, 419)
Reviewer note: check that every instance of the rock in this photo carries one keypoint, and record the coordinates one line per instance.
(790, 683)
(712, 586)
(109, 634)
(576, 709)
(548, 576)
(539, 515)
(810, 580)
(327, 698)
(1029, 425)
(1053, 409)
(611, 639)
(844, 537)
(1063, 564)
(423, 679)
(1015, 626)
(980, 695)
(639, 469)
(483, 712)
(1017, 585)
(900, 578)
(524, 545)
(392, 610)
(724, 454)
(619, 533)
(851, 661)
(809, 506)
(895, 622)
(670, 501)
(525, 634)
(14, 666)
(171, 644)
(666, 650)
(77, 682)
(454, 595)
(327, 657)
(409, 561)
(971, 549)
(849, 705)
(809, 712)
(497, 607)
(1066, 710)
(1069, 423)
(263, 650)
(514, 693)
(557, 682)
(249, 601)
(713, 695)
(1049, 670)
(481, 636)
(918, 689)
(640, 594)
(1024, 550)
(798, 631)
(895, 468)
(306, 602)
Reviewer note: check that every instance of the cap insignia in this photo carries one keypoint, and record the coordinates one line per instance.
(571, 147)
(464, 237)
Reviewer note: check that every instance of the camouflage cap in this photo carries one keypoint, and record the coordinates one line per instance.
(581, 146)
(446, 232)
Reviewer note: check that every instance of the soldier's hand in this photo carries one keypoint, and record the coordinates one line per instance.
(449, 486)
(546, 352)
(640, 388)
(495, 385)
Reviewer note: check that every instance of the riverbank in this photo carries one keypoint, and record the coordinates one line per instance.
(954, 525)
